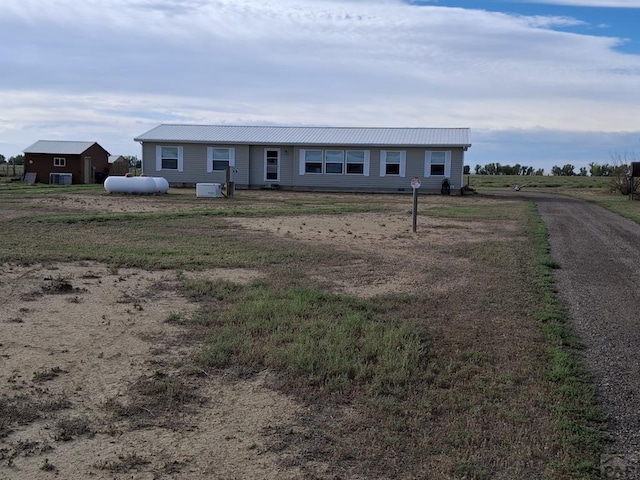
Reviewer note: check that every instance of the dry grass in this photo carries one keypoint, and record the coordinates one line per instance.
(344, 296)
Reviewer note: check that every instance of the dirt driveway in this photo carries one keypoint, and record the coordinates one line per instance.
(599, 278)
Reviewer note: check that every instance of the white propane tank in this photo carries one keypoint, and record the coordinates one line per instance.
(146, 185)
(162, 186)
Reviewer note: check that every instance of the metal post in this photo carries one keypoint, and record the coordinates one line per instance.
(415, 209)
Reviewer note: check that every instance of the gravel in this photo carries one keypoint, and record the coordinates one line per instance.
(599, 279)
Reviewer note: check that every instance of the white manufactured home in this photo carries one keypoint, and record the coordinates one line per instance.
(307, 158)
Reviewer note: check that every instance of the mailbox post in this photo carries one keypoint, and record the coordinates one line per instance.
(415, 185)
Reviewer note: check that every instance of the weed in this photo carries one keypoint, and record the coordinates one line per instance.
(57, 284)
(48, 467)
(160, 394)
(19, 410)
(47, 375)
(125, 463)
(68, 428)
(175, 317)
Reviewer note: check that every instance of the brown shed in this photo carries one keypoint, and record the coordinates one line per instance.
(118, 165)
(66, 162)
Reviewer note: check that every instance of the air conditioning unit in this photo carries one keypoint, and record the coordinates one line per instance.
(213, 190)
(60, 178)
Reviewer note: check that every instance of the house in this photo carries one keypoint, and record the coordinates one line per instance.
(118, 165)
(307, 158)
(66, 162)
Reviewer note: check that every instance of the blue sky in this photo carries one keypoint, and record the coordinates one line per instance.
(539, 83)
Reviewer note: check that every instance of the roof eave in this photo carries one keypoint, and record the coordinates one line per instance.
(298, 144)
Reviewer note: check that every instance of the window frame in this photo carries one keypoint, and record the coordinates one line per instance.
(211, 158)
(60, 162)
(160, 158)
(314, 162)
(363, 163)
(333, 162)
(429, 163)
(401, 162)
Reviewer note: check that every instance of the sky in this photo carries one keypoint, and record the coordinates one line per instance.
(539, 83)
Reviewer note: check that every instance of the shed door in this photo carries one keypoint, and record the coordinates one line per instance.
(272, 165)
(88, 177)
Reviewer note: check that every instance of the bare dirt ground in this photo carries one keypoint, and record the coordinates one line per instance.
(80, 340)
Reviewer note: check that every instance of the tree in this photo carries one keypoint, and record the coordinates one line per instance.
(566, 171)
(621, 180)
(17, 160)
(583, 172)
(477, 169)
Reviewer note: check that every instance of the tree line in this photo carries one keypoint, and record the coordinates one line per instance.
(17, 160)
(568, 170)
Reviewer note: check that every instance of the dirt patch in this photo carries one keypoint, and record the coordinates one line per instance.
(78, 338)
(396, 259)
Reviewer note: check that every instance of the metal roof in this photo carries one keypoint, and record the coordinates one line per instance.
(59, 146)
(307, 135)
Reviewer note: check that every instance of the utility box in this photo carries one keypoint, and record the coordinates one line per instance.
(209, 190)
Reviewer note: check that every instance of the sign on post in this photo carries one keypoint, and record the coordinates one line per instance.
(415, 184)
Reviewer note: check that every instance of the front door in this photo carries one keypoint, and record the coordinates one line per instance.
(271, 164)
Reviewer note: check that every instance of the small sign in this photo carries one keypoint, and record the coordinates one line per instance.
(415, 183)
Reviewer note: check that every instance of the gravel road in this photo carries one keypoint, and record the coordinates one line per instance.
(599, 278)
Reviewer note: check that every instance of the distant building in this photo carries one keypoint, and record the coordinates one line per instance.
(66, 162)
(118, 165)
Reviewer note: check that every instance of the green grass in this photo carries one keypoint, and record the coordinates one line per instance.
(575, 405)
(506, 210)
(480, 182)
(330, 342)
(617, 203)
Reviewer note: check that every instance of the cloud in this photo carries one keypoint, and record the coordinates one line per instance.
(115, 68)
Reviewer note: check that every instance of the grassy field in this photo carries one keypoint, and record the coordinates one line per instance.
(477, 380)
(592, 189)
(8, 171)
(536, 181)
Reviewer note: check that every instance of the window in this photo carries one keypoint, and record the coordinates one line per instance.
(312, 161)
(334, 161)
(59, 162)
(437, 164)
(393, 163)
(218, 159)
(358, 162)
(169, 158)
